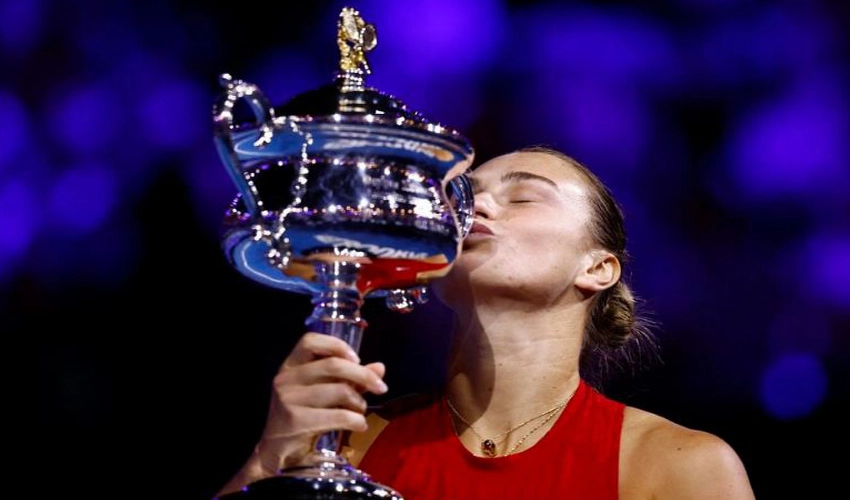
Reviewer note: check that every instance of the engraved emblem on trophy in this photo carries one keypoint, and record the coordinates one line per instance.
(344, 194)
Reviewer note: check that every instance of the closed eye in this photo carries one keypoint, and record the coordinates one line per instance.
(526, 192)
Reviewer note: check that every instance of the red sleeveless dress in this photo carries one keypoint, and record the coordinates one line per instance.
(419, 455)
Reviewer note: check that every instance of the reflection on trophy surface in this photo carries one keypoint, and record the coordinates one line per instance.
(343, 194)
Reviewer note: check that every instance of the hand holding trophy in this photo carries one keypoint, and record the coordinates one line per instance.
(342, 196)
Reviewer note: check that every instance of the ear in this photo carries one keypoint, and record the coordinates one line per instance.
(600, 270)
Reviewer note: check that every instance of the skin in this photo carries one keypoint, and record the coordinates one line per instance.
(521, 290)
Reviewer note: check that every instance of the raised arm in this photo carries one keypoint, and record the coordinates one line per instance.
(318, 389)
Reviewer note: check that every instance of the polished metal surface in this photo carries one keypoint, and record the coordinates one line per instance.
(365, 182)
(343, 193)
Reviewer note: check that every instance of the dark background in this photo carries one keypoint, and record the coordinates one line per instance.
(721, 126)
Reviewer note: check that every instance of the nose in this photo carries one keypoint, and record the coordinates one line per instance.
(485, 205)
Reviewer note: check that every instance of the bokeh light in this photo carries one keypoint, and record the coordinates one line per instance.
(419, 36)
(793, 386)
(82, 198)
(411, 61)
(14, 130)
(824, 268)
(721, 126)
(19, 222)
(612, 45)
(170, 115)
(86, 119)
(21, 24)
(795, 145)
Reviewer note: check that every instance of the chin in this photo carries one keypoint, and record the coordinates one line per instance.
(470, 259)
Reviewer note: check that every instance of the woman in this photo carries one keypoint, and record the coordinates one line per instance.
(537, 294)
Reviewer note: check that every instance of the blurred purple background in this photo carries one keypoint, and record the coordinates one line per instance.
(723, 127)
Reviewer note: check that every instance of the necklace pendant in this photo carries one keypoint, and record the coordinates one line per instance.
(488, 447)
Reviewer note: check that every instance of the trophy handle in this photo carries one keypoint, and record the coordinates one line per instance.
(223, 119)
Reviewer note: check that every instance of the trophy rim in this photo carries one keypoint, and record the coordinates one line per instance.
(379, 122)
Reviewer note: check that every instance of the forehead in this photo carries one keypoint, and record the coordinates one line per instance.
(560, 172)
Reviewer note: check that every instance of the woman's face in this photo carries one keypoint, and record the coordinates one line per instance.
(530, 236)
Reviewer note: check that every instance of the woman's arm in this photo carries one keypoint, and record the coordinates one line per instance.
(317, 389)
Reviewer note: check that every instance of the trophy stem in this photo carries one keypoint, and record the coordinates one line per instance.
(336, 312)
(325, 474)
(352, 173)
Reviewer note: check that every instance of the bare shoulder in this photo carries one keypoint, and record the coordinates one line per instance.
(663, 460)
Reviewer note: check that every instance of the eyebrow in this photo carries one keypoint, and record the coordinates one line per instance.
(516, 176)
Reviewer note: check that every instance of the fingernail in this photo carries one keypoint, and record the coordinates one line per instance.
(382, 387)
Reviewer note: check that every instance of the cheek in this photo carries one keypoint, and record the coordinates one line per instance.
(549, 236)
(554, 249)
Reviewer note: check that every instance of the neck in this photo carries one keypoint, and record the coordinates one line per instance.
(510, 363)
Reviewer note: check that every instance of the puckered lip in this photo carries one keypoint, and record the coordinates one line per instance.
(479, 228)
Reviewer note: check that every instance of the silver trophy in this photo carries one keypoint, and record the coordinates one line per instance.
(344, 194)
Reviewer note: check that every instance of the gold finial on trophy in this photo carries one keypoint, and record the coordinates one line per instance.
(355, 37)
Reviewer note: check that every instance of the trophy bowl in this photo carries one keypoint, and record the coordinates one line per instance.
(343, 194)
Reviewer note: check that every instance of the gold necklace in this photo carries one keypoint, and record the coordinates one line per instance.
(488, 445)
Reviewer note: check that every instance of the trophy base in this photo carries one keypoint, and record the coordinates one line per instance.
(331, 481)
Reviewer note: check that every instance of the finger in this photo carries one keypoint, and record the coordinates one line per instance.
(319, 420)
(314, 345)
(378, 368)
(332, 369)
(331, 395)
